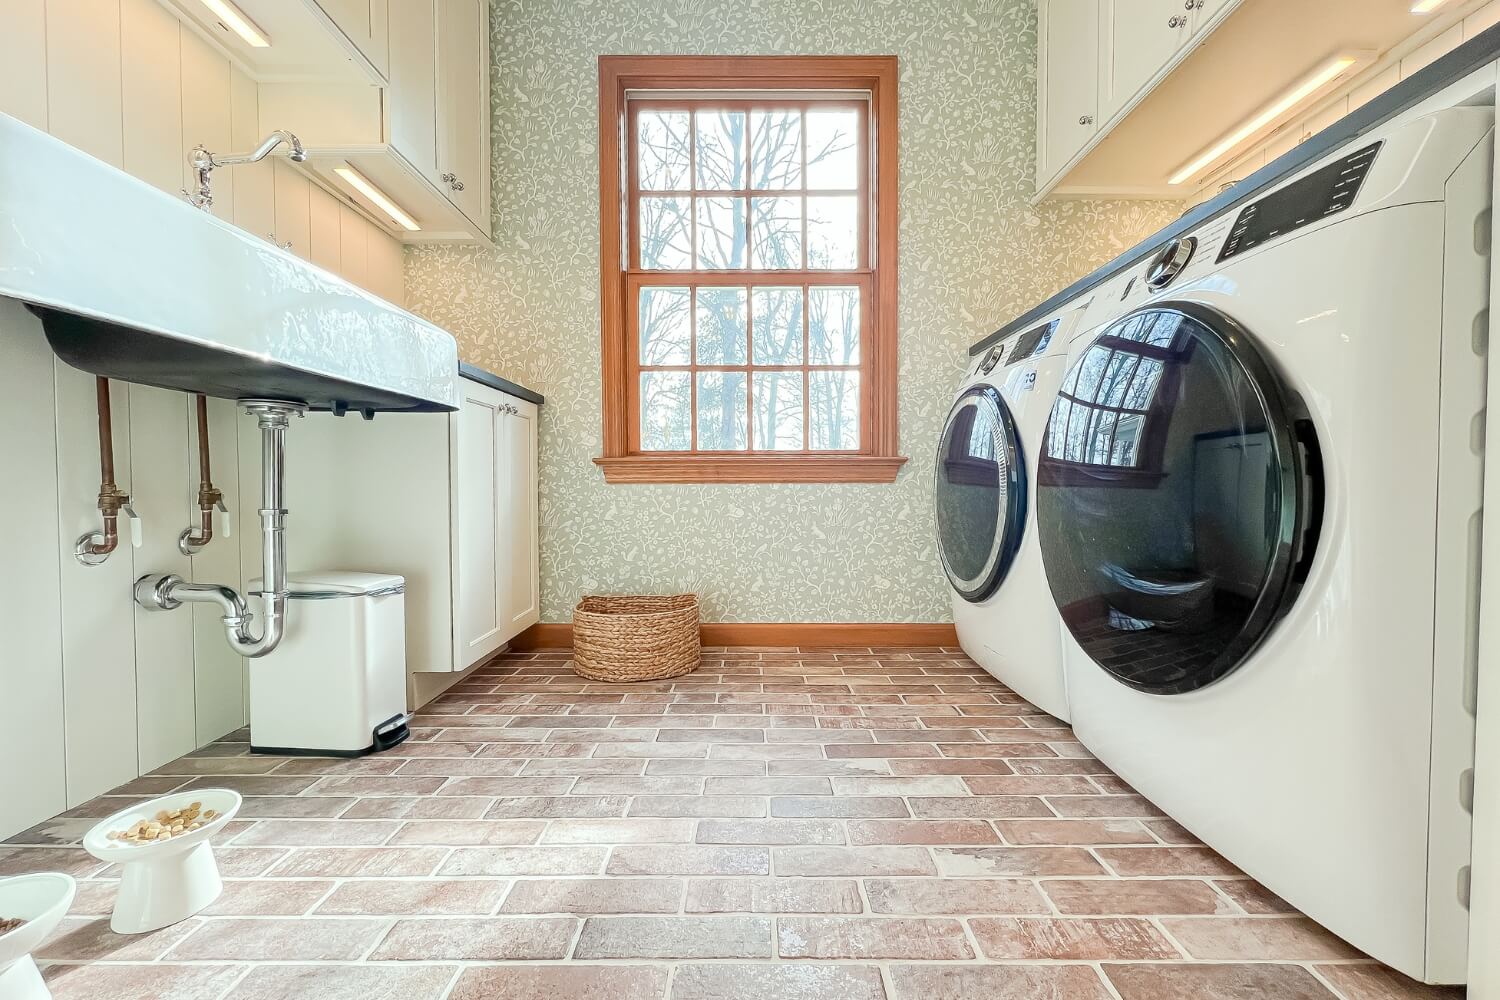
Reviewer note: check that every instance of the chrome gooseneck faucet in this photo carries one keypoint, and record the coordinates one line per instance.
(203, 163)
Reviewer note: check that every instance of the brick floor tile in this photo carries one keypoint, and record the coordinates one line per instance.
(524, 861)
(955, 896)
(1376, 982)
(353, 862)
(773, 895)
(297, 807)
(920, 831)
(1029, 784)
(414, 897)
(561, 982)
(595, 895)
(674, 937)
(1215, 982)
(630, 784)
(730, 806)
(366, 785)
(871, 937)
(996, 982)
(1102, 805)
(619, 831)
(837, 806)
(556, 807)
(1146, 897)
(342, 982)
(306, 939)
(883, 752)
(1131, 861)
(140, 982)
(978, 766)
(1043, 861)
(789, 982)
(1074, 831)
(267, 898)
(853, 861)
(829, 768)
(462, 767)
(468, 832)
(509, 787)
(932, 785)
(90, 940)
(770, 831)
(1252, 897)
(1294, 939)
(711, 736)
(479, 939)
(1075, 939)
(694, 860)
(716, 766)
(978, 806)
(806, 785)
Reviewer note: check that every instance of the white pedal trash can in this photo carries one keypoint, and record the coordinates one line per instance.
(336, 686)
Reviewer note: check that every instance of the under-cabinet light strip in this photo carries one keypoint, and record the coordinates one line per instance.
(357, 181)
(1325, 75)
(235, 20)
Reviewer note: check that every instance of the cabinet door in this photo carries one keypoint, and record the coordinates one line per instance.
(477, 540)
(1140, 37)
(364, 23)
(518, 516)
(413, 92)
(1068, 101)
(1205, 9)
(463, 103)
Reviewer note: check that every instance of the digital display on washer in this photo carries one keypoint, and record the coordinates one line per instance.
(1324, 192)
(1032, 342)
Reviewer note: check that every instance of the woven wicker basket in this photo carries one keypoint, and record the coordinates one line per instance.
(635, 638)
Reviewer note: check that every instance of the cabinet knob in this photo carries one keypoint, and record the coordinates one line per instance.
(448, 178)
(1177, 21)
(457, 184)
(1085, 119)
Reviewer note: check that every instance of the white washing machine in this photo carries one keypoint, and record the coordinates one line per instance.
(985, 479)
(1259, 510)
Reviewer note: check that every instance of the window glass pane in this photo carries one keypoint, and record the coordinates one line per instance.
(833, 232)
(1100, 435)
(666, 243)
(1117, 379)
(833, 409)
(721, 150)
(665, 333)
(662, 150)
(833, 326)
(1143, 386)
(1127, 445)
(776, 326)
(775, 149)
(1090, 371)
(721, 233)
(776, 227)
(1057, 427)
(777, 397)
(721, 326)
(665, 401)
(833, 150)
(721, 411)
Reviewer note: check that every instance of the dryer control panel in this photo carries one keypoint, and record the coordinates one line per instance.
(1324, 192)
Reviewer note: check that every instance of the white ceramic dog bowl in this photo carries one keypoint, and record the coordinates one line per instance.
(41, 900)
(163, 881)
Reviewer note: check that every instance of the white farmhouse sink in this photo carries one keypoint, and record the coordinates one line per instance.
(135, 284)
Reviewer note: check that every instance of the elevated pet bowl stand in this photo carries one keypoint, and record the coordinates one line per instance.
(163, 881)
(41, 900)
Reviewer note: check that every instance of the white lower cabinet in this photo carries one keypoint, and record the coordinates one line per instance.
(446, 500)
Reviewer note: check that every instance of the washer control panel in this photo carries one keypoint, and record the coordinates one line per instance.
(1324, 192)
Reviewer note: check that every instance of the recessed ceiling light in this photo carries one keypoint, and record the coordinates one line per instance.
(1325, 75)
(1426, 6)
(357, 181)
(235, 20)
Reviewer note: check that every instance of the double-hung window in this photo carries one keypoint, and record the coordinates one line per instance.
(748, 279)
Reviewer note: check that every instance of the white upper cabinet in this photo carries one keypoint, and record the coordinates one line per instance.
(463, 100)
(421, 141)
(329, 41)
(1068, 98)
(1140, 39)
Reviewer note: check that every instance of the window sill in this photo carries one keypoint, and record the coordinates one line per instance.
(751, 468)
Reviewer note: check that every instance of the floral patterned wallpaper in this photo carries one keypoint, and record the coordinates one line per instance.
(973, 254)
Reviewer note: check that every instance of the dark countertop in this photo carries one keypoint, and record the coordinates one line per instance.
(1468, 57)
(494, 381)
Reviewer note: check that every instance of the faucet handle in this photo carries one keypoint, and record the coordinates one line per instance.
(226, 521)
(135, 524)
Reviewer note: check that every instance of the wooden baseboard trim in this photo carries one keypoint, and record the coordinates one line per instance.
(559, 635)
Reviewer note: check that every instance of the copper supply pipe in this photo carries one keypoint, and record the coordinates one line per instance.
(209, 498)
(95, 547)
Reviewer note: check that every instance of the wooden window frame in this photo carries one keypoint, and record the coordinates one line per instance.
(877, 459)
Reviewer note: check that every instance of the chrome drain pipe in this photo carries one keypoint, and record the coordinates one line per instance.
(168, 592)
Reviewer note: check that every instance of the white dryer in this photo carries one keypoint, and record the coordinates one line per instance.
(1259, 510)
(985, 480)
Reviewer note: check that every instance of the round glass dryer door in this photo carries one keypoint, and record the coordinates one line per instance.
(1177, 498)
(981, 493)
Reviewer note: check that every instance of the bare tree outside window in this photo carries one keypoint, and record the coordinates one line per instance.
(756, 206)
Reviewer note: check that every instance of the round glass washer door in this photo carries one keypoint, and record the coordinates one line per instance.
(1178, 498)
(980, 493)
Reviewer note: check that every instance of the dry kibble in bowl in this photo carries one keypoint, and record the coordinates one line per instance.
(8, 924)
(166, 825)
